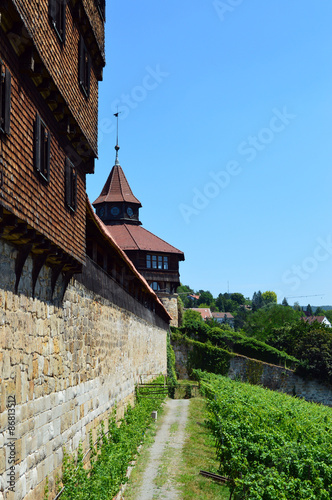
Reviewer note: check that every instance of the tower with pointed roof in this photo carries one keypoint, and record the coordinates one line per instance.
(154, 258)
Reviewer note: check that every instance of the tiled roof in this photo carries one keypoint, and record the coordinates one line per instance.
(116, 189)
(130, 237)
(222, 315)
(205, 313)
(312, 319)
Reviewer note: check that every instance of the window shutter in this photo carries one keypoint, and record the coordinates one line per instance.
(8, 80)
(81, 61)
(67, 182)
(48, 154)
(88, 69)
(52, 7)
(37, 143)
(74, 189)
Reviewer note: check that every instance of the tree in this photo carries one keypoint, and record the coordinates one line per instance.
(320, 312)
(184, 291)
(238, 298)
(257, 301)
(309, 310)
(191, 317)
(297, 306)
(260, 324)
(205, 297)
(269, 297)
(284, 302)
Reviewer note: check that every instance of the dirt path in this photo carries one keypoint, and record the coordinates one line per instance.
(165, 454)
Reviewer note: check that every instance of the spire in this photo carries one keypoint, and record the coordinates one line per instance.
(117, 147)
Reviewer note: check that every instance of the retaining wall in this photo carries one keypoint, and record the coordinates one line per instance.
(65, 363)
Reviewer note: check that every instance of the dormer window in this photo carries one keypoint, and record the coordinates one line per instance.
(57, 13)
(5, 92)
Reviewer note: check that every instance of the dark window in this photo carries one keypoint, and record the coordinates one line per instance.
(57, 13)
(84, 68)
(42, 149)
(101, 8)
(156, 262)
(5, 91)
(70, 185)
(155, 286)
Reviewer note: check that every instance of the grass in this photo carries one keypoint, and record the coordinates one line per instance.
(199, 453)
(136, 476)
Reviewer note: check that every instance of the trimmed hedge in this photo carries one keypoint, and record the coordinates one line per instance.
(204, 357)
(250, 347)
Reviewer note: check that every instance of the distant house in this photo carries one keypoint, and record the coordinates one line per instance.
(193, 297)
(224, 317)
(205, 313)
(320, 319)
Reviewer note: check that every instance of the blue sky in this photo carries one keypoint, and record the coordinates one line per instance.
(225, 135)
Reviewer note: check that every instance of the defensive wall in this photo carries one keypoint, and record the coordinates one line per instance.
(65, 361)
(267, 375)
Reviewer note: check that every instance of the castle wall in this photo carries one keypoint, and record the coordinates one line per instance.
(63, 366)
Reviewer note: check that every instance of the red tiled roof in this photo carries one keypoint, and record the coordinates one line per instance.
(117, 189)
(205, 313)
(102, 228)
(312, 319)
(130, 237)
(222, 315)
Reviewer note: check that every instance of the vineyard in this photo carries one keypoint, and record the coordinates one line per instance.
(271, 446)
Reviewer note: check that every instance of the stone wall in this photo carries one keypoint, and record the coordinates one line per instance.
(170, 302)
(65, 363)
(270, 376)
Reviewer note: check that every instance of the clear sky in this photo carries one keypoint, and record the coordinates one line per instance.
(226, 137)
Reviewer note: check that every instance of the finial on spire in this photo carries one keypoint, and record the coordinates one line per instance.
(117, 147)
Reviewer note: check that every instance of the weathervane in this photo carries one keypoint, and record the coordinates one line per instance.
(117, 147)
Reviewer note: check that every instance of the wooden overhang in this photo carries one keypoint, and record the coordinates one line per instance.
(31, 63)
(28, 241)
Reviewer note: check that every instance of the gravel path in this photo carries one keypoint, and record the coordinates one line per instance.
(165, 454)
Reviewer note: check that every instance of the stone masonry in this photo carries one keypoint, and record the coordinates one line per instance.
(65, 363)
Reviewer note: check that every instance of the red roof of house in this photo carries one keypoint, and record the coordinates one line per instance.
(117, 189)
(312, 319)
(205, 313)
(222, 315)
(130, 237)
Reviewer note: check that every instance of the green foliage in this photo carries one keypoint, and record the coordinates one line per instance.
(261, 323)
(115, 450)
(205, 297)
(184, 291)
(309, 310)
(257, 301)
(180, 310)
(269, 297)
(311, 344)
(203, 356)
(284, 302)
(171, 375)
(192, 319)
(241, 344)
(270, 445)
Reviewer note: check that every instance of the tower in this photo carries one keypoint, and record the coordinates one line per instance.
(154, 258)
